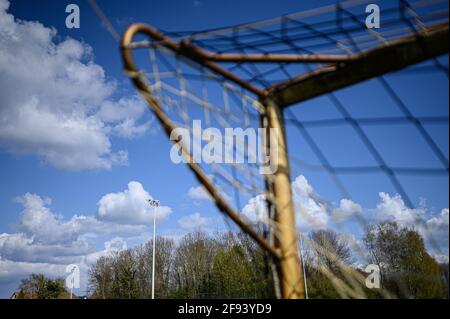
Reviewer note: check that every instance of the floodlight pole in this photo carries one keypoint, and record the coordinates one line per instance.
(289, 264)
(303, 268)
(153, 203)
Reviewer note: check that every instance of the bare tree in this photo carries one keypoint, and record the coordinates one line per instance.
(101, 278)
(331, 249)
(193, 264)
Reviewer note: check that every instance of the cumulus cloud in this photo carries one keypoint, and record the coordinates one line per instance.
(46, 237)
(46, 241)
(112, 246)
(393, 207)
(56, 102)
(442, 259)
(347, 209)
(91, 225)
(432, 226)
(39, 222)
(130, 207)
(124, 114)
(193, 222)
(256, 210)
(198, 193)
(48, 260)
(11, 271)
(438, 225)
(313, 212)
(18, 247)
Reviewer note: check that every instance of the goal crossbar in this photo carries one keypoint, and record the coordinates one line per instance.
(342, 70)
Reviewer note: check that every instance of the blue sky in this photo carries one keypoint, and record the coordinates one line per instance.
(44, 165)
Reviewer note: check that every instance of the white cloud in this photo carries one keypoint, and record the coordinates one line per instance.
(311, 211)
(56, 102)
(130, 207)
(48, 260)
(40, 223)
(301, 187)
(116, 244)
(46, 242)
(394, 207)
(347, 209)
(124, 113)
(47, 237)
(442, 259)
(436, 228)
(429, 224)
(256, 210)
(198, 193)
(193, 222)
(350, 207)
(13, 271)
(90, 225)
(112, 246)
(18, 247)
(439, 223)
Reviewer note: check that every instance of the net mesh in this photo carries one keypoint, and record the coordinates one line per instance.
(335, 29)
(194, 96)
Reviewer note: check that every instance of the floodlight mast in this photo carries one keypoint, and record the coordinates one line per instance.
(155, 204)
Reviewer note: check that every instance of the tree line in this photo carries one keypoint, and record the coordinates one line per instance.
(231, 265)
(224, 265)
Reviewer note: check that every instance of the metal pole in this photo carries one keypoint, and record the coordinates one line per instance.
(289, 264)
(154, 248)
(154, 204)
(303, 269)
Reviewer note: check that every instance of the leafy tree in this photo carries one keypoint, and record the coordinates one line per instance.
(40, 287)
(443, 270)
(231, 276)
(406, 268)
(125, 285)
(259, 264)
